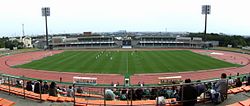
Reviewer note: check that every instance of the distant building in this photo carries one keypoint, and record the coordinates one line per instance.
(39, 43)
(58, 39)
(213, 43)
(27, 41)
(87, 33)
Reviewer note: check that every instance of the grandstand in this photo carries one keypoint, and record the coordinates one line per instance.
(84, 42)
(168, 42)
(126, 42)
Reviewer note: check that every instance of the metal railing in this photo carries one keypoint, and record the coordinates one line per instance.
(102, 95)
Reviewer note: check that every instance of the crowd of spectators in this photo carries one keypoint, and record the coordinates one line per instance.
(52, 89)
(187, 92)
(238, 81)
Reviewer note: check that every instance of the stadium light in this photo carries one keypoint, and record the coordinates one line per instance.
(206, 9)
(45, 13)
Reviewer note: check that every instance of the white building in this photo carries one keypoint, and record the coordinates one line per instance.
(27, 41)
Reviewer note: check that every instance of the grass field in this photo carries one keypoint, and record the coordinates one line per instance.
(131, 62)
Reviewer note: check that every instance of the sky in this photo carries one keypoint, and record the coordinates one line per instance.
(78, 16)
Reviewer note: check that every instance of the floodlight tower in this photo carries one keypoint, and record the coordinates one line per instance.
(206, 9)
(45, 13)
(23, 29)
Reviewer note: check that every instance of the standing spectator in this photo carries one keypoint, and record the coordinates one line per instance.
(45, 87)
(70, 91)
(238, 74)
(52, 89)
(189, 92)
(238, 82)
(38, 88)
(29, 86)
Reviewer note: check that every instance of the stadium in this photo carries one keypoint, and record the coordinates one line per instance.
(82, 60)
(101, 63)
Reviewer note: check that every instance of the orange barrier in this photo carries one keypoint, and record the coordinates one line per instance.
(235, 104)
(81, 105)
(5, 102)
(81, 101)
(245, 102)
(246, 88)
(52, 98)
(236, 90)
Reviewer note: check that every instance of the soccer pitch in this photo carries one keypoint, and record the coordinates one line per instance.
(131, 62)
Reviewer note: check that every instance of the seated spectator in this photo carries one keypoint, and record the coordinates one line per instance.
(123, 94)
(222, 86)
(230, 81)
(52, 89)
(79, 90)
(161, 101)
(33, 85)
(200, 88)
(146, 93)
(131, 94)
(238, 82)
(70, 91)
(209, 85)
(248, 80)
(139, 93)
(109, 95)
(18, 83)
(244, 78)
(189, 92)
(29, 86)
(61, 90)
(170, 92)
(163, 92)
(153, 93)
(117, 93)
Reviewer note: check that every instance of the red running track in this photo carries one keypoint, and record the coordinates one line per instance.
(7, 61)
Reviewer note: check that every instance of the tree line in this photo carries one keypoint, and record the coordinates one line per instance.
(224, 40)
(5, 42)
